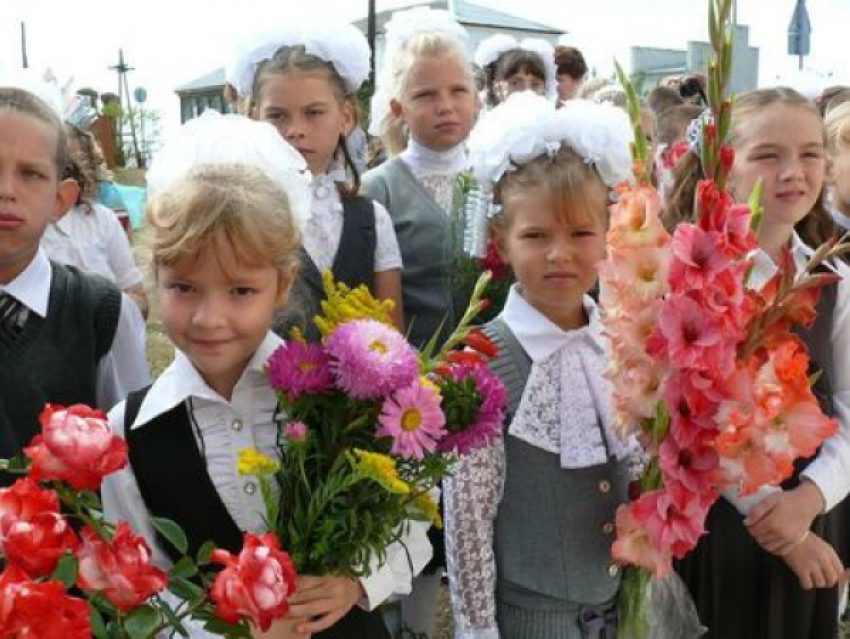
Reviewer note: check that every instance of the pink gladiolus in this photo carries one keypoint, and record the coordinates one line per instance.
(696, 258)
(686, 337)
(633, 545)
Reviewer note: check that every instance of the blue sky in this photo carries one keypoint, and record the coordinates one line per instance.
(171, 42)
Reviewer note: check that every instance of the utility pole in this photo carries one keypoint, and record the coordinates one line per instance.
(122, 69)
(24, 62)
(370, 37)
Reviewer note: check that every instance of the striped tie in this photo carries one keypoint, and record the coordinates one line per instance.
(10, 316)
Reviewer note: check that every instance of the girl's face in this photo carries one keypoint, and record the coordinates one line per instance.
(438, 103)
(522, 80)
(783, 145)
(839, 178)
(307, 111)
(554, 259)
(30, 190)
(218, 311)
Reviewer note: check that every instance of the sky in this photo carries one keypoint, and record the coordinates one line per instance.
(171, 42)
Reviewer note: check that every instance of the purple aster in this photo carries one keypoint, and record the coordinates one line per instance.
(471, 432)
(413, 418)
(370, 359)
(296, 368)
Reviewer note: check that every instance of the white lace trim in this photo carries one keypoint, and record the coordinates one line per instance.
(472, 496)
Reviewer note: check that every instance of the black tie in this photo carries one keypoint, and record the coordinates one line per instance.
(10, 316)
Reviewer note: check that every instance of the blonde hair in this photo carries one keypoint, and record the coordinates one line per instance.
(575, 187)
(221, 208)
(393, 133)
(814, 229)
(19, 101)
(837, 123)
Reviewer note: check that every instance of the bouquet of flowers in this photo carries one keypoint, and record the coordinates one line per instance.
(70, 573)
(705, 371)
(372, 427)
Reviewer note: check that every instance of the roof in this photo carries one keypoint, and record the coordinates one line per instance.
(469, 14)
(204, 83)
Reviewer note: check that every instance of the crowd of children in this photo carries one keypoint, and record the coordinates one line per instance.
(244, 219)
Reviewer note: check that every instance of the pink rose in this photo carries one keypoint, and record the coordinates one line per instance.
(296, 431)
(256, 584)
(120, 569)
(76, 446)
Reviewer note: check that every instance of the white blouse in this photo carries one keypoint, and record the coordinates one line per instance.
(830, 471)
(322, 233)
(436, 170)
(226, 428)
(95, 242)
(565, 409)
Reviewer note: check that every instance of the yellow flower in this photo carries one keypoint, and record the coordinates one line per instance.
(428, 507)
(427, 383)
(382, 469)
(344, 304)
(253, 462)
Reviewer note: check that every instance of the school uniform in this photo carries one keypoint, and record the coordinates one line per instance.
(91, 238)
(530, 519)
(417, 188)
(741, 591)
(184, 443)
(68, 338)
(352, 237)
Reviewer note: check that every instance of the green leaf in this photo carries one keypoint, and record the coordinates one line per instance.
(756, 210)
(185, 589)
(204, 553)
(66, 570)
(173, 619)
(185, 568)
(218, 627)
(98, 627)
(142, 622)
(172, 532)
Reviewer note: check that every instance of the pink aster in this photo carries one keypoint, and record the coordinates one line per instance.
(370, 359)
(413, 418)
(296, 368)
(466, 438)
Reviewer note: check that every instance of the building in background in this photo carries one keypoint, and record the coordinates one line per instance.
(654, 65)
(207, 92)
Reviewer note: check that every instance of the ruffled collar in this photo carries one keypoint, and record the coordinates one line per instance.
(566, 404)
(423, 160)
(323, 185)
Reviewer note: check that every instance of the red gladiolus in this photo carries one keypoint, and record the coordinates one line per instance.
(727, 158)
(40, 609)
(466, 357)
(479, 342)
(33, 534)
(256, 584)
(120, 569)
(76, 446)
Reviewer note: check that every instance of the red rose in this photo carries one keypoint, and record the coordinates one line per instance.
(121, 570)
(33, 534)
(76, 446)
(40, 609)
(256, 584)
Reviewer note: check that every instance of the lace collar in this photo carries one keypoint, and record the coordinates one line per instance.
(425, 161)
(566, 404)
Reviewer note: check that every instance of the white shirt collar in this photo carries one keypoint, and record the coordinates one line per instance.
(840, 219)
(181, 380)
(538, 335)
(32, 286)
(429, 162)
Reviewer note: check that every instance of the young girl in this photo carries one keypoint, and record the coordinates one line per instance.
(303, 80)
(838, 147)
(225, 256)
(513, 66)
(530, 520)
(65, 337)
(425, 88)
(769, 565)
(89, 236)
